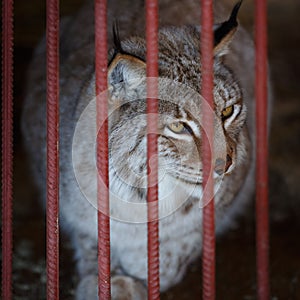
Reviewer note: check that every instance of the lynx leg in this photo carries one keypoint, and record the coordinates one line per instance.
(87, 288)
(122, 288)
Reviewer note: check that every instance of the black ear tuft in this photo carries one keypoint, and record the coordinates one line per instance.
(116, 38)
(228, 26)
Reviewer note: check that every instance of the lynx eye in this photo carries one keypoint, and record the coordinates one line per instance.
(177, 127)
(227, 112)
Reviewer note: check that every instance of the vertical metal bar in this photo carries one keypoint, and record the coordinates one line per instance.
(52, 149)
(208, 261)
(7, 146)
(262, 214)
(152, 158)
(104, 291)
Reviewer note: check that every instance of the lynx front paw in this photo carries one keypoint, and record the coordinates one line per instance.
(127, 288)
(122, 288)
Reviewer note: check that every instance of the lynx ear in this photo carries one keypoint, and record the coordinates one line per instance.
(125, 74)
(224, 32)
(125, 69)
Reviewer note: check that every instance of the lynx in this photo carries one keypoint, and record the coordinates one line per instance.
(179, 137)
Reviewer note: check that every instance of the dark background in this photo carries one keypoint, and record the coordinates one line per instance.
(236, 274)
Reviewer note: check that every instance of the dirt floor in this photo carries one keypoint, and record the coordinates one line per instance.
(236, 274)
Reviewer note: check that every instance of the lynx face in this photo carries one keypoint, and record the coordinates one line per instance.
(179, 128)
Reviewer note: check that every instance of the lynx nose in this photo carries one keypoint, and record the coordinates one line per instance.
(221, 166)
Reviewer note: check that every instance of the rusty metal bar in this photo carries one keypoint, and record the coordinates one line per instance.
(208, 256)
(104, 290)
(52, 229)
(152, 158)
(7, 147)
(262, 213)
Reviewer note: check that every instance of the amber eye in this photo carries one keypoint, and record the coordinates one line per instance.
(177, 127)
(227, 112)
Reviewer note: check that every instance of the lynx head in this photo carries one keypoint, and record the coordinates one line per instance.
(179, 127)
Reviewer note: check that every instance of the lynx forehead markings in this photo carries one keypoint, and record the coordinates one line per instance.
(180, 168)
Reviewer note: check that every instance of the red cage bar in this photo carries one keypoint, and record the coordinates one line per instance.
(52, 228)
(208, 235)
(152, 170)
(262, 214)
(104, 291)
(7, 147)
